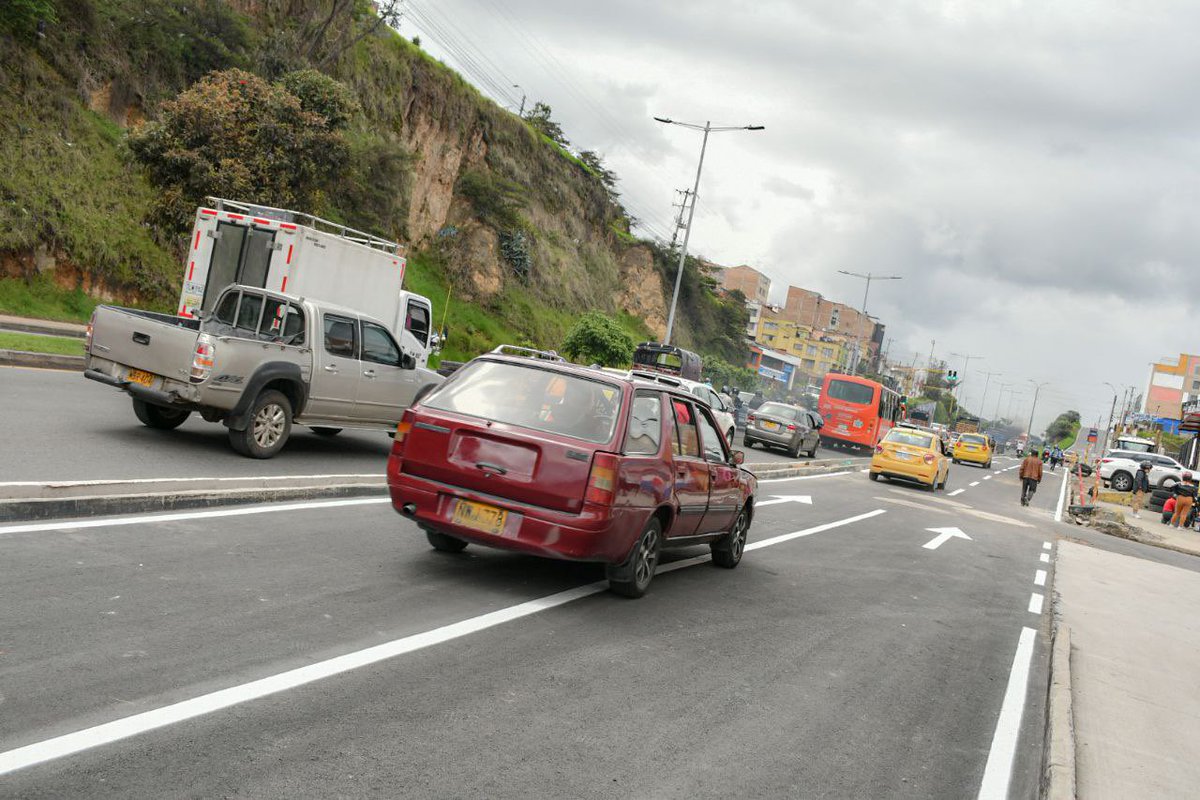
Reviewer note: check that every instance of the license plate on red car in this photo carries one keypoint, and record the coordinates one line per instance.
(479, 517)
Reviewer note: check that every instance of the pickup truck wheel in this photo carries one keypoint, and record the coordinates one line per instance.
(326, 431)
(270, 425)
(727, 551)
(632, 578)
(443, 543)
(160, 417)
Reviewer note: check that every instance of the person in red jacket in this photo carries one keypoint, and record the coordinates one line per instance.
(1031, 476)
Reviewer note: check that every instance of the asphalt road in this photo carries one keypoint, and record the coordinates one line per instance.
(75, 429)
(849, 661)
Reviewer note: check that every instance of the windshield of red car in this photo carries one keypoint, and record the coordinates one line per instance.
(532, 397)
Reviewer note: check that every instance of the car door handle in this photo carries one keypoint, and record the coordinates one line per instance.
(370, 373)
(330, 368)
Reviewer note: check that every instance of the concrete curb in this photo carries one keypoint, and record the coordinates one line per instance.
(21, 358)
(50, 327)
(807, 469)
(44, 509)
(1058, 773)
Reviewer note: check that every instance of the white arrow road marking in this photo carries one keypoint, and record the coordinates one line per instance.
(943, 535)
(785, 498)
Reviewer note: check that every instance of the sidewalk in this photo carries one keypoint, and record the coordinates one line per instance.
(1135, 656)
(1154, 532)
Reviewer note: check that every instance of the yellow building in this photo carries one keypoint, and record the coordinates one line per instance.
(818, 351)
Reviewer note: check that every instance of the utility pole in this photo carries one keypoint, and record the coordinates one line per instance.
(1003, 386)
(682, 206)
(521, 113)
(983, 400)
(687, 231)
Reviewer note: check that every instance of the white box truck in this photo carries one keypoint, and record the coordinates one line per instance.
(299, 254)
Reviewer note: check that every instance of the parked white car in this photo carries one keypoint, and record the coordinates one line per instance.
(1118, 466)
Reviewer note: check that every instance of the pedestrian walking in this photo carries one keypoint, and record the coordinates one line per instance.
(1141, 488)
(1185, 496)
(1031, 476)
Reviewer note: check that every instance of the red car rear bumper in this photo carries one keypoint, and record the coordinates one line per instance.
(595, 534)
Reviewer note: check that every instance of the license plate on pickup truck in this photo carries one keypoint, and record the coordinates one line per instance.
(140, 376)
(479, 517)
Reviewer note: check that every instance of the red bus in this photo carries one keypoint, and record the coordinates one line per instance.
(857, 411)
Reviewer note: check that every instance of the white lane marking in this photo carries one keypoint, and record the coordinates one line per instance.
(804, 477)
(865, 471)
(788, 498)
(1062, 499)
(987, 477)
(944, 535)
(956, 492)
(1045, 545)
(1045, 557)
(104, 522)
(998, 772)
(69, 483)
(973, 483)
(1035, 603)
(1039, 578)
(109, 732)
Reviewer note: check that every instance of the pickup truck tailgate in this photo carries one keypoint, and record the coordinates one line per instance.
(158, 343)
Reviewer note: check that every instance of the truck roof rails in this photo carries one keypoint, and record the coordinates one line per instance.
(527, 352)
(308, 220)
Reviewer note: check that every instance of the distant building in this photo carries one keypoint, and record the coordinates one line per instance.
(841, 321)
(1170, 385)
(818, 351)
(747, 280)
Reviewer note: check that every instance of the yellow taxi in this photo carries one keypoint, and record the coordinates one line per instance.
(911, 453)
(973, 448)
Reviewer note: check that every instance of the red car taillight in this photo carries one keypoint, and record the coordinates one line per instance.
(396, 458)
(791, 427)
(878, 448)
(929, 458)
(749, 418)
(202, 361)
(602, 480)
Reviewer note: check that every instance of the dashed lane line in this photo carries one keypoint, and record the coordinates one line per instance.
(956, 492)
(998, 771)
(973, 483)
(1035, 603)
(1045, 558)
(126, 727)
(1039, 578)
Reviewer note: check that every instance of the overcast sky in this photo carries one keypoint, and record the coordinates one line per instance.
(1029, 168)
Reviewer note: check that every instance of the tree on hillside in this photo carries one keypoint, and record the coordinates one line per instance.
(233, 134)
(1064, 426)
(539, 119)
(598, 339)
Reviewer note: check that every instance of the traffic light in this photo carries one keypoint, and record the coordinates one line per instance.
(952, 377)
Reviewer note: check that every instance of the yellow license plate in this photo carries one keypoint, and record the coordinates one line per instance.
(139, 376)
(479, 517)
(770, 425)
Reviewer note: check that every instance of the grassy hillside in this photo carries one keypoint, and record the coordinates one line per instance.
(522, 233)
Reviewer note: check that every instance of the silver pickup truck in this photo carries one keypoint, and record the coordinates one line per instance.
(259, 362)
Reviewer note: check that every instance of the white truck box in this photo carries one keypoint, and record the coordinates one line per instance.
(299, 254)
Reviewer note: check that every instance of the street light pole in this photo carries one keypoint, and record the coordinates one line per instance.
(868, 278)
(1111, 413)
(687, 232)
(1033, 408)
(1003, 386)
(521, 113)
(966, 365)
(983, 400)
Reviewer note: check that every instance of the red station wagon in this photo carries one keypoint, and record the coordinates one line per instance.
(556, 460)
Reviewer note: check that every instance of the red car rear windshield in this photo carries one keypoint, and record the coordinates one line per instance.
(532, 397)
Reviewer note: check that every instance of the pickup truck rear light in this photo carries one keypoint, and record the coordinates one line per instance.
(87, 339)
(602, 480)
(929, 458)
(202, 361)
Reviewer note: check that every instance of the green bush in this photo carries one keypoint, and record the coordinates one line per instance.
(495, 200)
(21, 17)
(598, 339)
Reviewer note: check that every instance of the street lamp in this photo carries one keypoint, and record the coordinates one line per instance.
(1003, 386)
(1111, 413)
(983, 400)
(967, 359)
(868, 278)
(708, 128)
(521, 113)
(1033, 408)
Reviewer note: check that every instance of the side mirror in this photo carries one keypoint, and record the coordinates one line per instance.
(738, 457)
(408, 361)
(820, 423)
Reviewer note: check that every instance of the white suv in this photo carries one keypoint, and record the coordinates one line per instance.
(1118, 466)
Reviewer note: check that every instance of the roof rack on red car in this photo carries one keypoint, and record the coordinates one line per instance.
(527, 352)
(656, 376)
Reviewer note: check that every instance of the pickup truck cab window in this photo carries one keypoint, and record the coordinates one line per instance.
(249, 311)
(341, 336)
(378, 345)
(282, 321)
(227, 309)
(645, 424)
